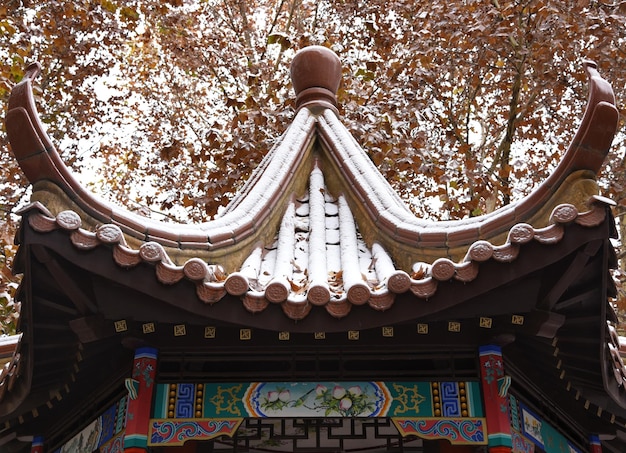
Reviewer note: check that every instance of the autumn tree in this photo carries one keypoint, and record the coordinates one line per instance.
(463, 105)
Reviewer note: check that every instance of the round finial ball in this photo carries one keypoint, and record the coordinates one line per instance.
(315, 67)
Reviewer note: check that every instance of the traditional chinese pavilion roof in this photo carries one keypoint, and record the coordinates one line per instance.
(318, 241)
(317, 224)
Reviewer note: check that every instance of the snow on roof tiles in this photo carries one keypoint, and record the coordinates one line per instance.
(316, 224)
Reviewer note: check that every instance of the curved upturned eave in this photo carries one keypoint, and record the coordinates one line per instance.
(261, 197)
(391, 218)
(265, 193)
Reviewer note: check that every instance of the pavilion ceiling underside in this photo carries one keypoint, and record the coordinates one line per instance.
(580, 364)
(52, 361)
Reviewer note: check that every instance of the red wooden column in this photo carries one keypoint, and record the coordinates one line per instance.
(594, 444)
(495, 386)
(140, 389)
(37, 445)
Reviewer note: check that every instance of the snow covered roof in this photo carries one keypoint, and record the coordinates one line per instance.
(316, 224)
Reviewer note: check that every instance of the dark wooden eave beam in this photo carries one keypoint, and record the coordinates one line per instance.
(564, 304)
(43, 302)
(571, 275)
(91, 328)
(76, 295)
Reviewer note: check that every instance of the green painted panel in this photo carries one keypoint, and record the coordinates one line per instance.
(160, 401)
(318, 399)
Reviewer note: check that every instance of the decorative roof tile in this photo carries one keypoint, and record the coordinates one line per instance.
(317, 258)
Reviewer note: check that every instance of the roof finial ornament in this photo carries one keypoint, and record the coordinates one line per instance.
(316, 75)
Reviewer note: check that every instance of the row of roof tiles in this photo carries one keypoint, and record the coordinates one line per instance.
(317, 258)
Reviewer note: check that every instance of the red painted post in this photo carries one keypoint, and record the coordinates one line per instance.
(595, 446)
(495, 386)
(37, 445)
(140, 389)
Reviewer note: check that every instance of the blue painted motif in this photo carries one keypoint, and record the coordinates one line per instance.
(178, 431)
(108, 424)
(185, 396)
(458, 431)
(450, 404)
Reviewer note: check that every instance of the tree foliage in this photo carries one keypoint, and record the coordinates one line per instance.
(463, 105)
